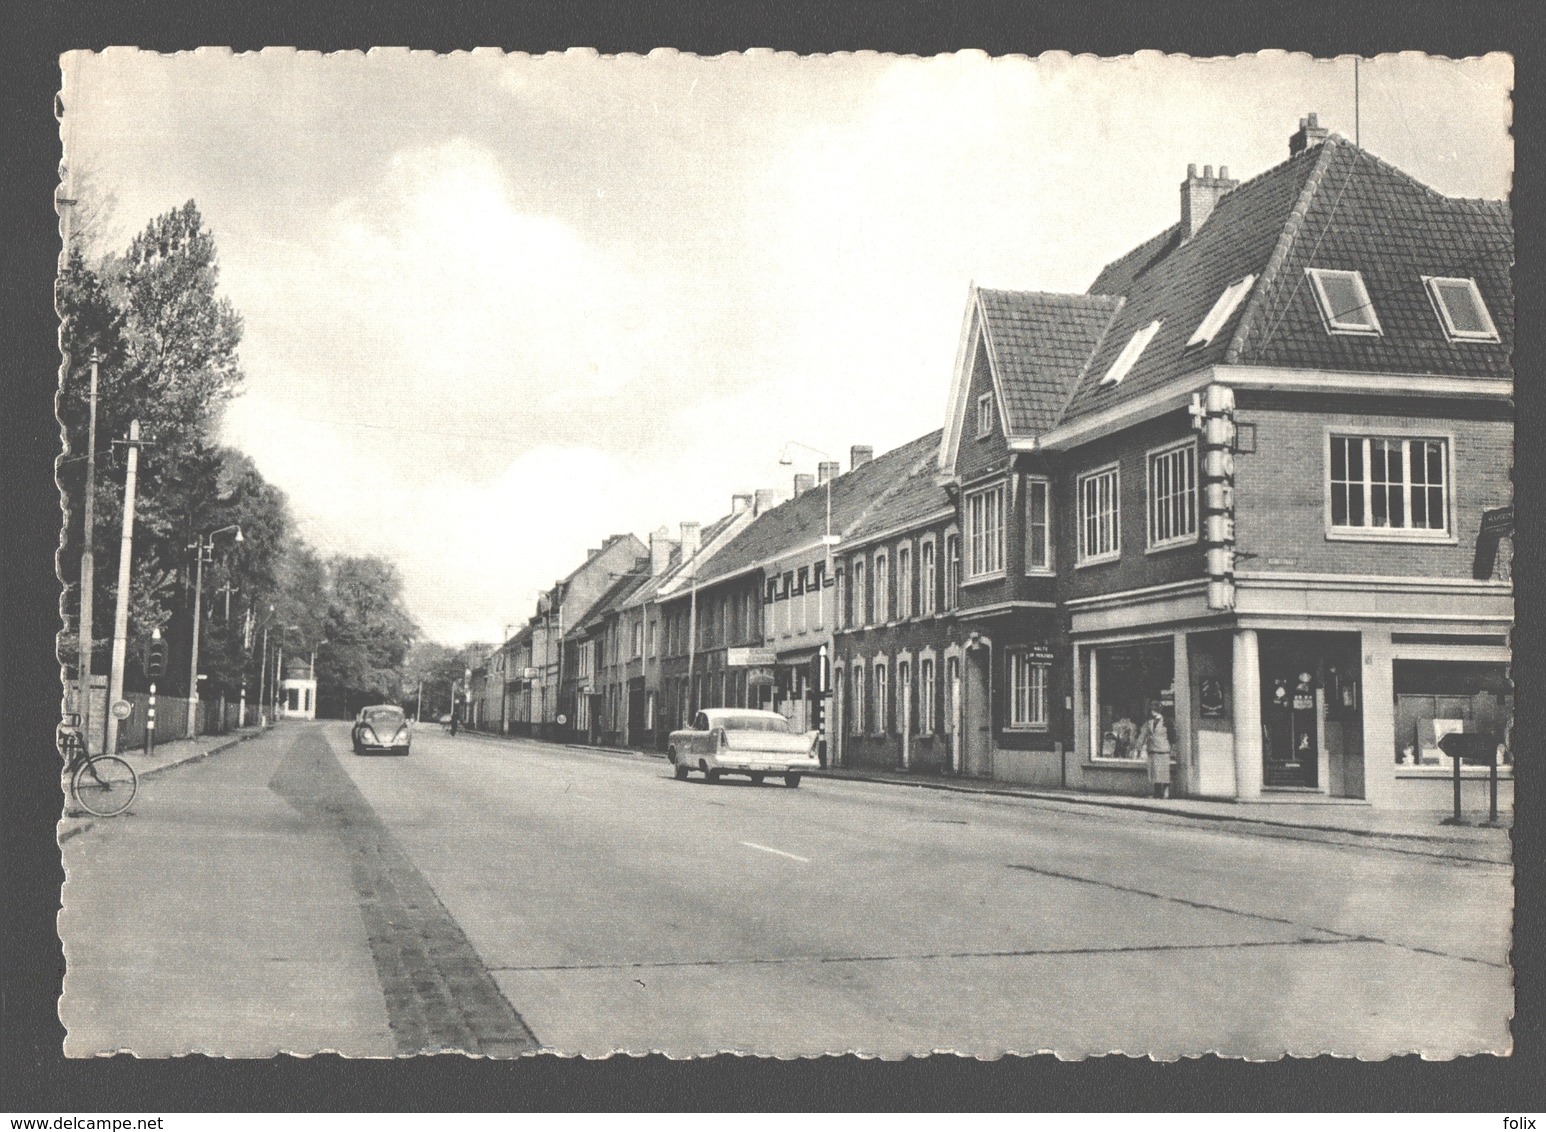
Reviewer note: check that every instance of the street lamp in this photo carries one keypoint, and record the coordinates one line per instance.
(201, 545)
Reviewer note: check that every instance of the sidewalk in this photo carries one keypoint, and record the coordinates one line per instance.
(166, 756)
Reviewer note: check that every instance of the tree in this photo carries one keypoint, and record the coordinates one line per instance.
(368, 630)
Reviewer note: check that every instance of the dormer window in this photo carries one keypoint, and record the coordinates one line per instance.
(1129, 355)
(985, 415)
(1344, 301)
(1460, 309)
(1222, 310)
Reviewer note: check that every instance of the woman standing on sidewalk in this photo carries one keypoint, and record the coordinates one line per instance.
(1154, 741)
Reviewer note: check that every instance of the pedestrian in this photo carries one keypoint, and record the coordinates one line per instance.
(453, 725)
(1154, 741)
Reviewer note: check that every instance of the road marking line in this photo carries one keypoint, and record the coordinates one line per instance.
(780, 852)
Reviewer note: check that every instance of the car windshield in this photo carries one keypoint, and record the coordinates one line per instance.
(755, 723)
(383, 717)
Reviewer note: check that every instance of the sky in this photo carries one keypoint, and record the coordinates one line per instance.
(499, 307)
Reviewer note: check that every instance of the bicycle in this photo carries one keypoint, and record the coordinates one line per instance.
(103, 785)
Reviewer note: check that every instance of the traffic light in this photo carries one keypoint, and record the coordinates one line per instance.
(155, 657)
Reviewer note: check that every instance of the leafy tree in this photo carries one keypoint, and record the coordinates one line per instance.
(369, 631)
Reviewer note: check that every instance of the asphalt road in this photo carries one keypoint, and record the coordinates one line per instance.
(505, 896)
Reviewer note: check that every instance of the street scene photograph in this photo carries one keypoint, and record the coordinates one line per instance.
(790, 555)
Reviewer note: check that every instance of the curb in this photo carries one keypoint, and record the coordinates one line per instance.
(1194, 815)
(88, 821)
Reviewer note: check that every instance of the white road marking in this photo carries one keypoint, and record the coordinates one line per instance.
(780, 852)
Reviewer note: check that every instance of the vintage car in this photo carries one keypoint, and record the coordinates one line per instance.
(742, 741)
(383, 727)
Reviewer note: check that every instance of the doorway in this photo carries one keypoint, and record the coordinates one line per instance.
(976, 714)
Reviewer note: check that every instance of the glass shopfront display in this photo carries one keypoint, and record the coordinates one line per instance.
(1436, 697)
(1127, 679)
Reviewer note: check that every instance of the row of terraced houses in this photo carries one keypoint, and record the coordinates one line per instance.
(1259, 475)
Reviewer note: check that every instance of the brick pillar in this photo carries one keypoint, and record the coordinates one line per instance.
(1247, 705)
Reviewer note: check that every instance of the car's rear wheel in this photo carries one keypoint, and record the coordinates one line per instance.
(756, 780)
(791, 780)
(682, 772)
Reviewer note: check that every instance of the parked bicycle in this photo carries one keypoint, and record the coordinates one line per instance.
(103, 785)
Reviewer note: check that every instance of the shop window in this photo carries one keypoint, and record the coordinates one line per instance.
(985, 532)
(1038, 526)
(1125, 680)
(1027, 691)
(1395, 486)
(1435, 698)
(1099, 499)
(1173, 495)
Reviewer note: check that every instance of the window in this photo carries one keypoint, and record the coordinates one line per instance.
(1173, 495)
(1460, 309)
(651, 636)
(926, 696)
(904, 700)
(638, 638)
(1129, 355)
(856, 699)
(952, 569)
(952, 692)
(1027, 691)
(882, 591)
(1344, 301)
(804, 586)
(1099, 537)
(880, 697)
(985, 532)
(904, 581)
(926, 578)
(1222, 309)
(1391, 484)
(820, 582)
(1038, 526)
(860, 609)
(985, 415)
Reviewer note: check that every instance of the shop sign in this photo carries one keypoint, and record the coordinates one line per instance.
(1498, 522)
(750, 658)
(1210, 698)
(1039, 654)
(757, 677)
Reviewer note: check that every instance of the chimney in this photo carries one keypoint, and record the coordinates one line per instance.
(827, 470)
(1199, 195)
(660, 551)
(860, 454)
(690, 536)
(741, 501)
(803, 482)
(767, 498)
(1311, 133)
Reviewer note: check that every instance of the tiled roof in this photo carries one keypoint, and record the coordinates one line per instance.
(802, 521)
(1333, 206)
(612, 599)
(909, 499)
(1040, 343)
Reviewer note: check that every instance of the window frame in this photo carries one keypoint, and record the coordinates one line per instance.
(904, 581)
(926, 694)
(880, 589)
(1432, 283)
(878, 694)
(985, 414)
(1224, 308)
(1427, 535)
(952, 564)
(1150, 457)
(1016, 660)
(998, 489)
(1082, 556)
(927, 579)
(858, 722)
(1044, 483)
(1323, 302)
(859, 594)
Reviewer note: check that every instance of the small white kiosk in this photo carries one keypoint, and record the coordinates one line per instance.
(298, 693)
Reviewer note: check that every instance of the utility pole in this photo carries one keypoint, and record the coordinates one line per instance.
(193, 660)
(121, 615)
(88, 561)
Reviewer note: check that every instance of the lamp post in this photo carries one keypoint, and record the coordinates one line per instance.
(202, 544)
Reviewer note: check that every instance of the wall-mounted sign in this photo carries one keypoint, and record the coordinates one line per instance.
(756, 677)
(750, 658)
(528, 674)
(1210, 698)
(1039, 654)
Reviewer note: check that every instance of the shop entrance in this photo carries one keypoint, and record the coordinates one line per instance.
(1312, 736)
(976, 723)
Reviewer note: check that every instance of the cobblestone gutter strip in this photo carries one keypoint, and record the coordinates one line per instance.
(439, 996)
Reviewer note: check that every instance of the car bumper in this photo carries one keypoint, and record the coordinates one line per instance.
(750, 762)
(377, 749)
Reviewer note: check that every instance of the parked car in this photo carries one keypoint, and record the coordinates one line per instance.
(742, 741)
(384, 728)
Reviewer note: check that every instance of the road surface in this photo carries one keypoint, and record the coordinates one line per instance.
(499, 897)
